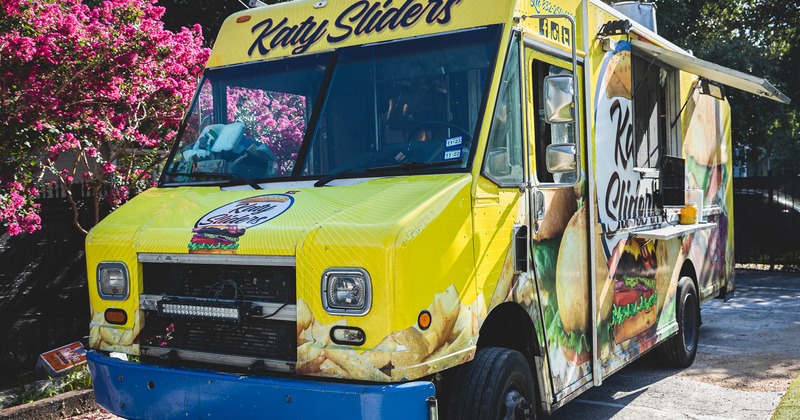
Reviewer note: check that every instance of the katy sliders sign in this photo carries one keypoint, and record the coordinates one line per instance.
(361, 18)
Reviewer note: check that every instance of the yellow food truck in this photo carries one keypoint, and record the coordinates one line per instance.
(419, 209)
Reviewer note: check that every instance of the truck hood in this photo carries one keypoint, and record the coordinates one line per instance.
(273, 221)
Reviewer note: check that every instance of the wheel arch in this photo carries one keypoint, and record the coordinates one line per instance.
(688, 270)
(510, 326)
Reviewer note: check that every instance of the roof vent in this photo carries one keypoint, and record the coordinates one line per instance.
(643, 13)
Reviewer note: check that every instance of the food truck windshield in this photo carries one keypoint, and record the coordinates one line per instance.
(403, 107)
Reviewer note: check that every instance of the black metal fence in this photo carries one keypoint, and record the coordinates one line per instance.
(44, 300)
(767, 221)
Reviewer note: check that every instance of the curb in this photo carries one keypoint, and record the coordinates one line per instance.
(61, 406)
(789, 407)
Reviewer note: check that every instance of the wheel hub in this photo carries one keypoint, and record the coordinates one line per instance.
(517, 407)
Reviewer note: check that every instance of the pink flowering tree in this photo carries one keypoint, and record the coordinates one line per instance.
(88, 94)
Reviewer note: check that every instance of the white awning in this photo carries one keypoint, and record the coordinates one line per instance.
(711, 71)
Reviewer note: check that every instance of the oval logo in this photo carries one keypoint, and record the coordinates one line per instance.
(218, 232)
(248, 212)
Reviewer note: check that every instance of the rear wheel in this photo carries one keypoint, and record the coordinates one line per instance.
(681, 349)
(497, 384)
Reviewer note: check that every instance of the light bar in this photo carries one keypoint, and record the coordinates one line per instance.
(194, 310)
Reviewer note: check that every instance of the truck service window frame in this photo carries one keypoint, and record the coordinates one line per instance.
(655, 97)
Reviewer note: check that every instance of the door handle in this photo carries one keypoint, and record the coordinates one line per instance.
(538, 205)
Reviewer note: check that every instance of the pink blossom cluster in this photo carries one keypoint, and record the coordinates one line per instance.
(17, 210)
(99, 90)
(274, 118)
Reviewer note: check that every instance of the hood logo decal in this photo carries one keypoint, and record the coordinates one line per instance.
(218, 231)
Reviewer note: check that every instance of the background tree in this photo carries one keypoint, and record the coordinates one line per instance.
(761, 37)
(92, 93)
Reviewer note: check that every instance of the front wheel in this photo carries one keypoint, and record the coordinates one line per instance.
(497, 384)
(680, 350)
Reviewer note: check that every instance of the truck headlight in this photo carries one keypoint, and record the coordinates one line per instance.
(346, 291)
(112, 280)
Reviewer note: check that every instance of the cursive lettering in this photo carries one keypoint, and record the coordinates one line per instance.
(623, 201)
(623, 197)
(303, 36)
(363, 17)
(623, 150)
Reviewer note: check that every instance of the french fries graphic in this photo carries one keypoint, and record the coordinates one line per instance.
(332, 370)
(407, 354)
(357, 367)
(309, 358)
(445, 309)
(114, 338)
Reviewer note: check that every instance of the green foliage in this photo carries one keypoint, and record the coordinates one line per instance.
(759, 37)
(208, 13)
(29, 391)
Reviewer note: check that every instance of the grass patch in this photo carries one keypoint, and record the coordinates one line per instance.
(789, 408)
(29, 391)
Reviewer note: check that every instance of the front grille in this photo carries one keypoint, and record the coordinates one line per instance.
(259, 338)
(233, 282)
(269, 340)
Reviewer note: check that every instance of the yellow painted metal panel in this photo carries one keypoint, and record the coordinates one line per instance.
(298, 27)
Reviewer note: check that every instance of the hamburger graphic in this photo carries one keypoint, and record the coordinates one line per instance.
(215, 239)
(634, 310)
(219, 230)
(572, 290)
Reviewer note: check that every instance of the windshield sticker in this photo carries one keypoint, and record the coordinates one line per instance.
(218, 232)
(455, 141)
(452, 154)
(361, 18)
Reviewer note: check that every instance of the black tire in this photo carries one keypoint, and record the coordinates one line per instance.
(680, 350)
(497, 384)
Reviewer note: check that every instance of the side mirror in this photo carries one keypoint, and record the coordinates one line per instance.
(561, 158)
(559, 92)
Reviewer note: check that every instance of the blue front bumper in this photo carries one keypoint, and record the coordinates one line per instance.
(140, 390)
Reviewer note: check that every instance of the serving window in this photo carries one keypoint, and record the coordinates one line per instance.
(655, 129)
(654, 99)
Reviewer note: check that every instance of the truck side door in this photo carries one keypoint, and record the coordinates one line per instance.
(559, 236)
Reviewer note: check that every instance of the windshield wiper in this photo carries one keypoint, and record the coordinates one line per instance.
(330, 177)
(411, 165)
(400, 166)
(227, 176)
